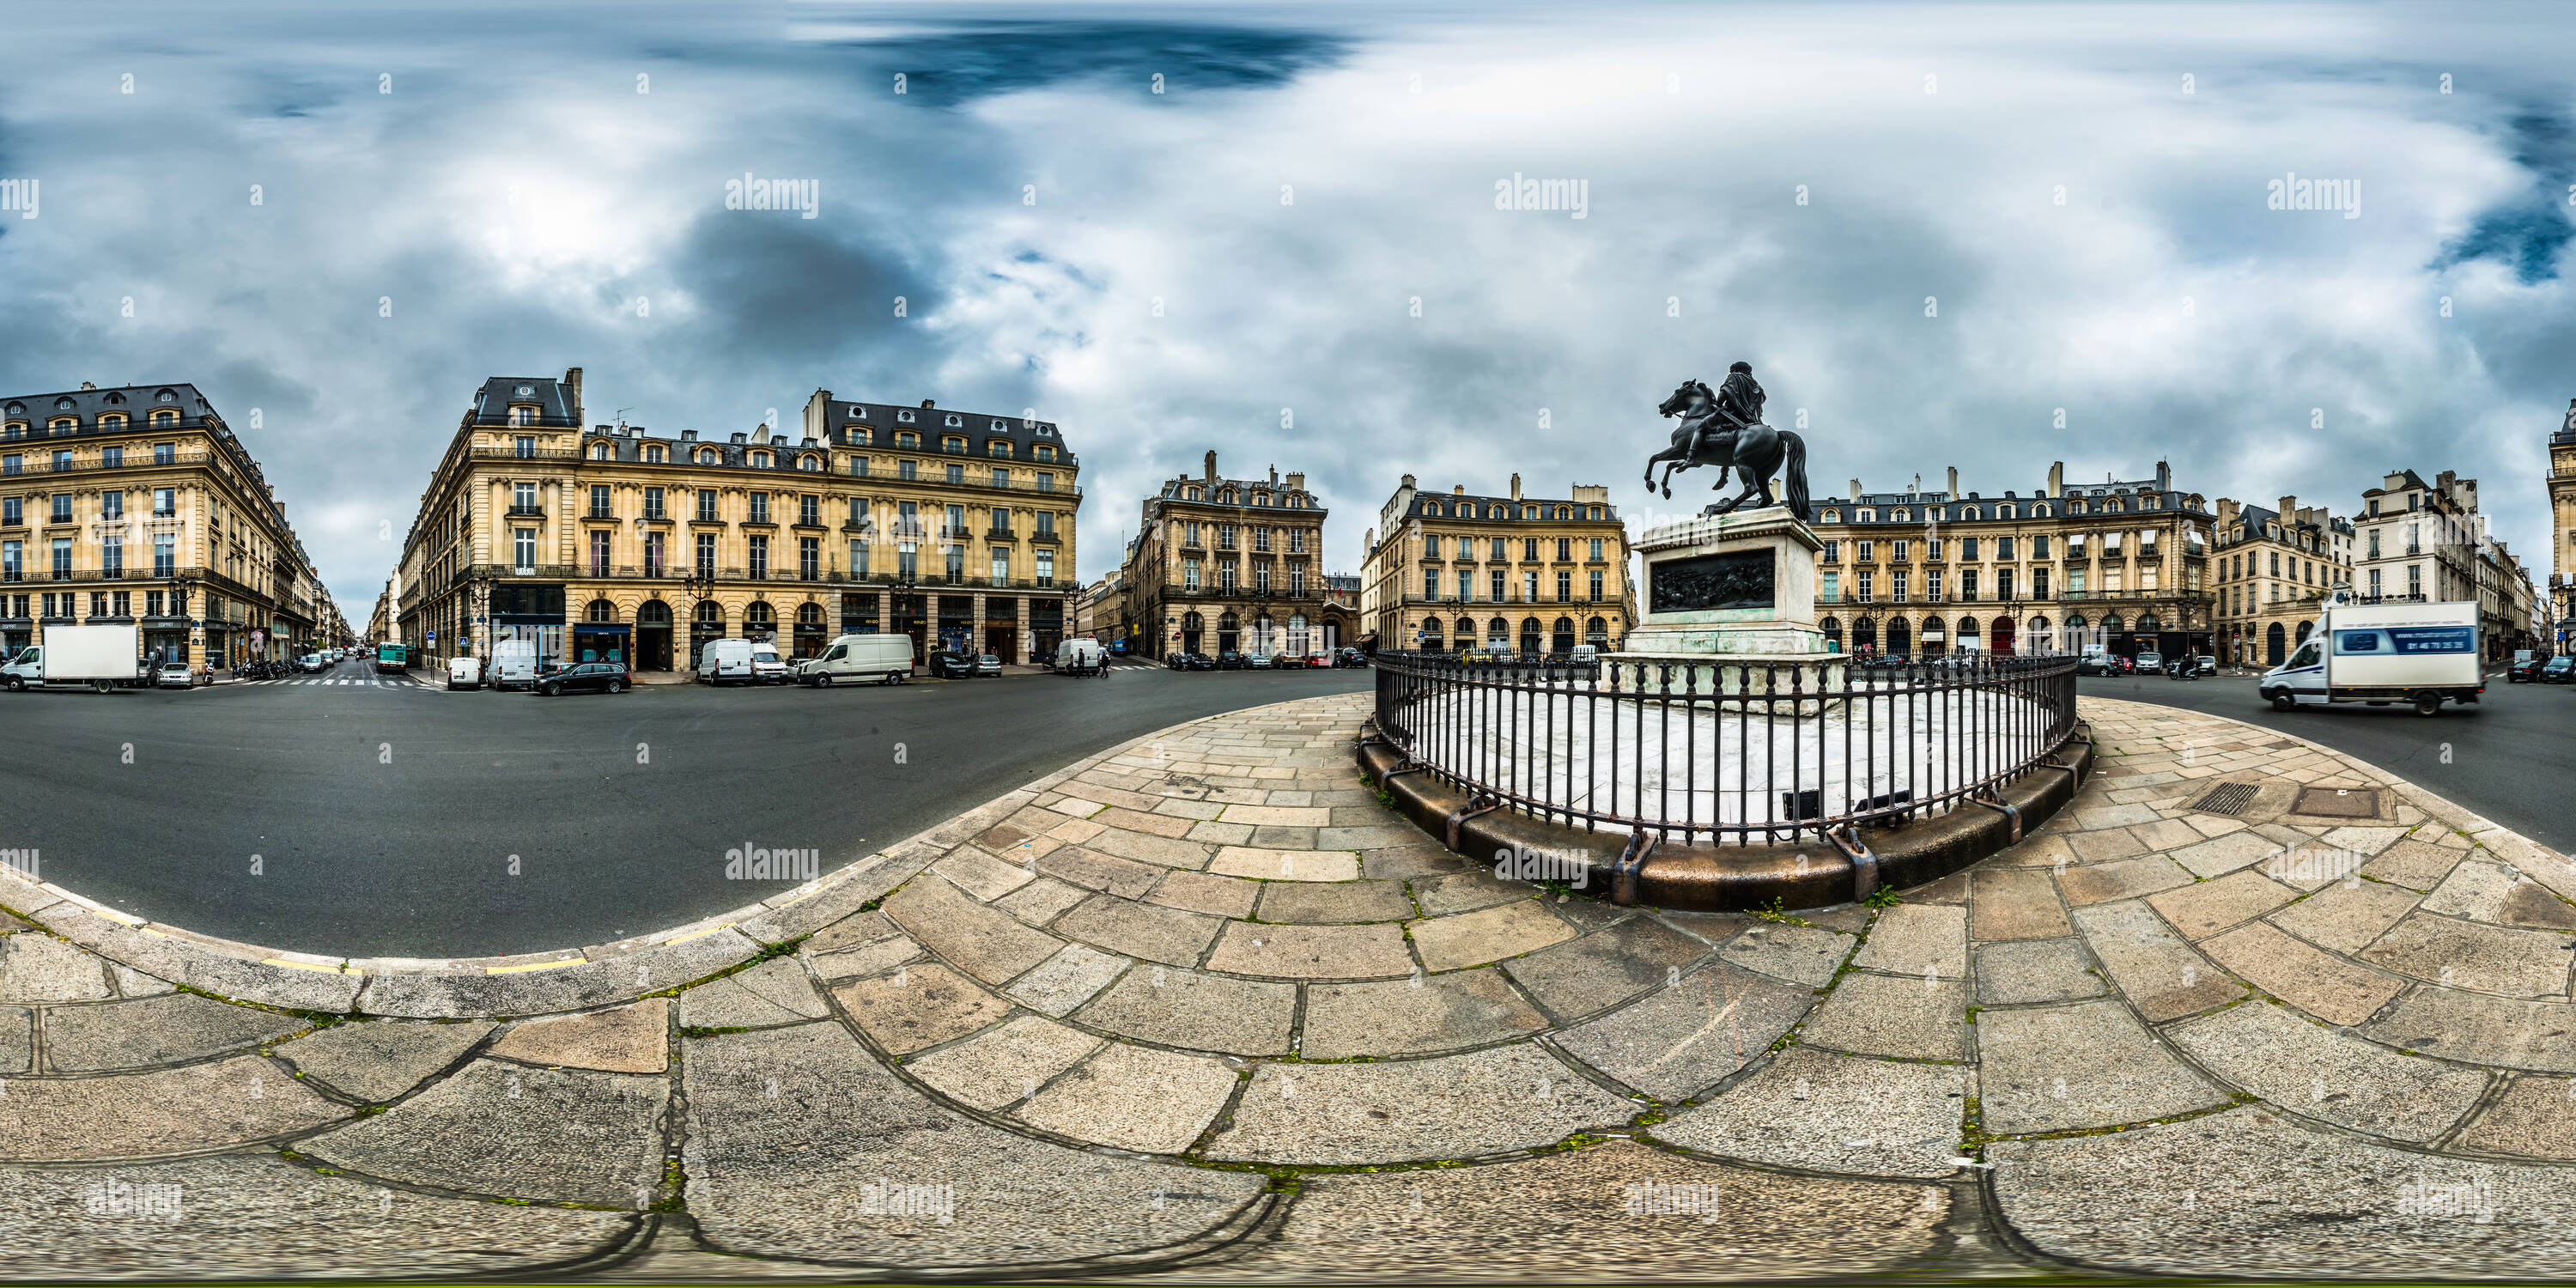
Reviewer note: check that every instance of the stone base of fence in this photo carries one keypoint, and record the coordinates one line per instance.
(1804, 871)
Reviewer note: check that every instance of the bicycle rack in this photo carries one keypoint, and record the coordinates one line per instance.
(1631, 861)
(1864, 860)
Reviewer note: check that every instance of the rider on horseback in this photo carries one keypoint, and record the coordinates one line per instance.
(1739, 397)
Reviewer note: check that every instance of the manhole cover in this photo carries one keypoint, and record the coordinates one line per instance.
(2338, 802)
(2226, 798)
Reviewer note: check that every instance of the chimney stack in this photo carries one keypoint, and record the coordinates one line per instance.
(2057, 478)
(1457, 489)
(1954, 483)
(1516, 488)
(2164, 476)
(572, 384)
(2289, 507)
(1211, 464)
(88, 384)
(1297, 481)
(1855, 491)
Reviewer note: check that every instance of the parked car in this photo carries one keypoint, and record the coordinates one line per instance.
(766, 668)
(987, 664)
(514, 664)
(586, 677)
(1229, 660)
(1256, 661)
(464, 673)
(2527, 670)
(2559, 670)
(1202, 662)
(174, 675)
(886, 659)
(951, 666)
(1289, 661)
(1176, 660)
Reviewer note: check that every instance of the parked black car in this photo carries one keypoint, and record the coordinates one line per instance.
(952, 666)
(1349, 657)
(1176, 660)
(586, 677)
(2526, 672)
(1229, 661)
(1202, 662)
(2561, 670)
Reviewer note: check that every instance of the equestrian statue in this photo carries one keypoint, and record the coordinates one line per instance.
(1724, 428)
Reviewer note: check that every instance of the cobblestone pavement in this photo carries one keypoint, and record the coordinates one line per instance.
(1200, 1008)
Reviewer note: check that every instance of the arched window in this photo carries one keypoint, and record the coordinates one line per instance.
(2147, 622)
(1529, 635)
(653, 613)
(601, 451)
(809, 615)
(1900, 637)
(1833, 516)
(709, 456)
(1466, 631)
(1561, 639)
(708, 610)
(1864, 634)
(1596, 632)
(760, 616)
(600, 610)
(1831, 626)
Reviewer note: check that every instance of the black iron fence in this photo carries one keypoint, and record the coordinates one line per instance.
(1736, 752)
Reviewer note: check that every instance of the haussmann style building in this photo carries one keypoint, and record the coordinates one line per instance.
(2120, 567)
(1514, 573)
(2275, 570)
(1223, 565)
(611, 542)
(138, 504)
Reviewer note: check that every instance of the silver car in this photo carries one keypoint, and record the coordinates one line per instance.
(174, 675)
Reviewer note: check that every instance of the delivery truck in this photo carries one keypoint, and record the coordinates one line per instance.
(101, 656)
(2421, 654)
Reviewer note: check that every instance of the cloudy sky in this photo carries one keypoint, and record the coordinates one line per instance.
(1938, 231)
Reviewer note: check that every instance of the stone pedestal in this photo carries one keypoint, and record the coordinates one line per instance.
(1730, 606)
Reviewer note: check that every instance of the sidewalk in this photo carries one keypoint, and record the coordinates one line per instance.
(1199, 1008)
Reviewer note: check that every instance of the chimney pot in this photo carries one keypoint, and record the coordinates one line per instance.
(1458, 489)
(927, 403)
(1516, 488)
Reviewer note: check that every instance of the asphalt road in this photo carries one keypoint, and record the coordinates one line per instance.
(2509, 757)
(365, 819)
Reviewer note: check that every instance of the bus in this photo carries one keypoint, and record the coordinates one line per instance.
(392, 659)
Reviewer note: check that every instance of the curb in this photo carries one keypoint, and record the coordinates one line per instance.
(525, 984)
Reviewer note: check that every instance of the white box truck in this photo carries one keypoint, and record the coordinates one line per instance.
(2416, 653)
(886, 659)
(102, 657)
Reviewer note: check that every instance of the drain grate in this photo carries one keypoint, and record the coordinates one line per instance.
(2226, 798)
(2338, 802)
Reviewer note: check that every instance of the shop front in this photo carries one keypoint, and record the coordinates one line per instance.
(531, 612)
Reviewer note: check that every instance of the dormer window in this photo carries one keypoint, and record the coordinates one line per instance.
(520, 415)
(858, 413)
(903, 417)
(956, 421)
(1901, 516)
(166, 395)
(908, 441)
(527, 391)
(1046, 451)
(2007, 511)
(863, 437)
(1833, 516)
(653, 454)
(1000, 425)
(709, 457)
(63, 404)
(760, 460)
(810, 464)
(998, 447)
(602, 452)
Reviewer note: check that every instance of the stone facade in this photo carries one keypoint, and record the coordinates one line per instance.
(1225, 565)
(954, 528)
(138, 504)
(2275, 569)
(2118, 566)
(1510, 573)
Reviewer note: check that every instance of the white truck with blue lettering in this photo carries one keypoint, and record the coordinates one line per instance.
(2416, 653)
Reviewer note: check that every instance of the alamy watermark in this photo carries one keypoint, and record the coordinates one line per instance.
(19, 195)
(148, 1201)
(1657, 1198)
(886, 1197)
(1518, 863)
(751, 193)
(2315, 863)
(752, 863)
(2295, 193)
(1522, 193)
(2473, 1198)
(22, 862)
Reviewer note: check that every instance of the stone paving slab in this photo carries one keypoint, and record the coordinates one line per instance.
(803, 1146)
(1132, 1097)
(2249, 1193)
(154, 1030)
(379, 1060)
(563, 1135)
(159, 1111)
(1456, 1106)
(1203, 1011)
(1688, 1036)
(235, 1217)
(2085, 1065)
(1827, 1112)
(2312, 1070)
(1415, 1016)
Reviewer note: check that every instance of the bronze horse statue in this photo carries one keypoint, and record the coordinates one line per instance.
(1727, 440)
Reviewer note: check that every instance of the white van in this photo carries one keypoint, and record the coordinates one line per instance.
(514, 664)
(1078, 657)
(465, 672)
(2414, 653)
(726, 660)
(766, 668)
(886, 659)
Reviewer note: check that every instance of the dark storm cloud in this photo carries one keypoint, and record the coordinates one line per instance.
(964, 62)
(2526, 233)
